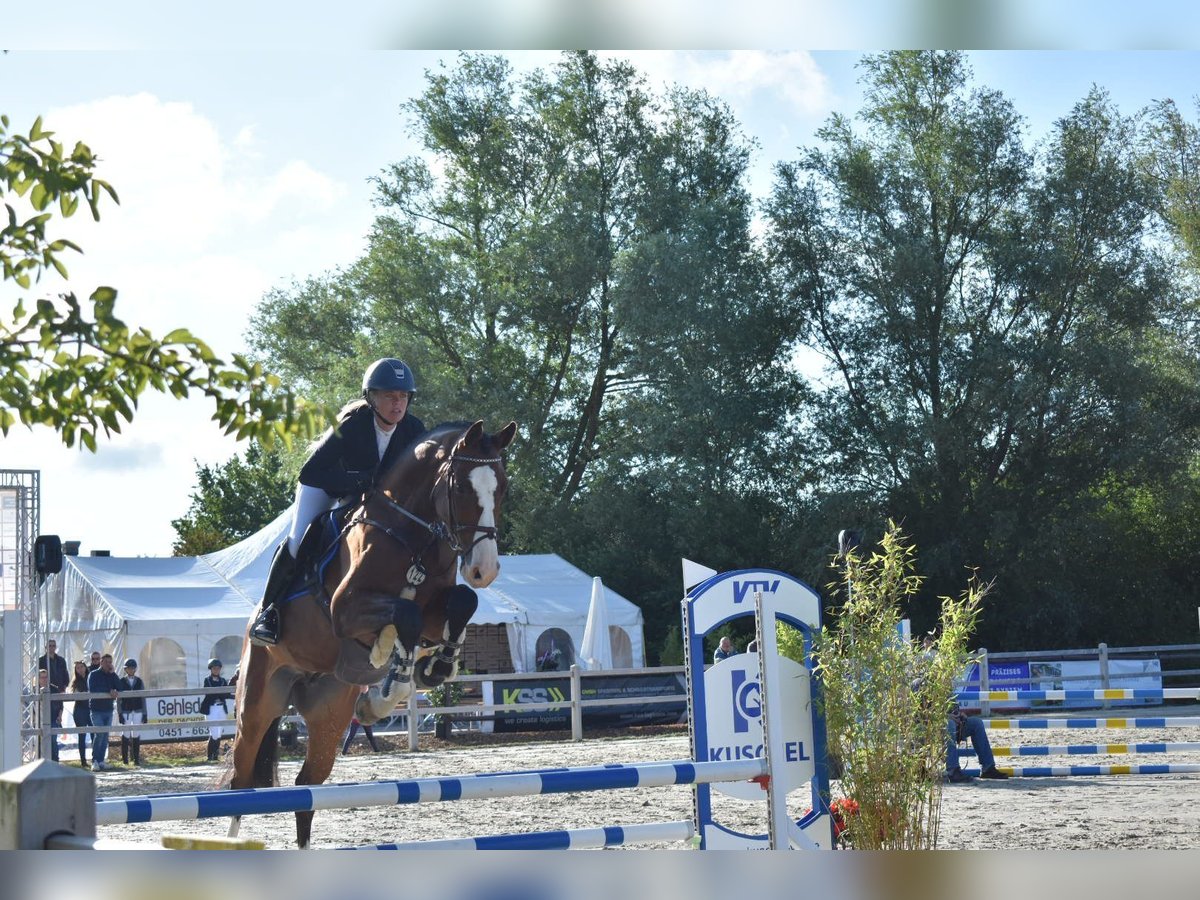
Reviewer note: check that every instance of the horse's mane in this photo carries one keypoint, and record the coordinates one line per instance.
(441, 430)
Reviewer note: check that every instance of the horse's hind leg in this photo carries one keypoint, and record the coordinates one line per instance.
(261, 700)
(262, 697)
(327, 706)
(442, 665)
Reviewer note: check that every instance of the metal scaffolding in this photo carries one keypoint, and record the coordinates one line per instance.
(20, 524)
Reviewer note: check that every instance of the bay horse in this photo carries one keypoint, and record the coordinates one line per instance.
(385, 606)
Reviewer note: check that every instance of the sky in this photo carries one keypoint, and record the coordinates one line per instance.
(242, 170)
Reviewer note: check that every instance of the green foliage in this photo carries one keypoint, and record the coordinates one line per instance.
(1012, 356)
(1003, 329)
(887, 701)
(671, 653)
(74, 366)
(448, 693)
(233, 501)
(1171, 154)
(575, 252)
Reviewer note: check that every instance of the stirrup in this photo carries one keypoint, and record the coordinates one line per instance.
(265, 630)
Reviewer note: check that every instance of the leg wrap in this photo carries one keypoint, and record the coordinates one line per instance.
(442, 664)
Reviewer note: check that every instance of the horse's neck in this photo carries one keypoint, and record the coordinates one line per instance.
(410, 483)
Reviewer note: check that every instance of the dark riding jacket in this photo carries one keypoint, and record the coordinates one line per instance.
(211, 700)
(345, 461)
(132, 704)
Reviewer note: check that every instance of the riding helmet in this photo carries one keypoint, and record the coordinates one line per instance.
(389, 375)
(131, 663)
(214, 662)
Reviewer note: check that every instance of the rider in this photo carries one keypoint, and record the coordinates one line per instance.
(369, 434)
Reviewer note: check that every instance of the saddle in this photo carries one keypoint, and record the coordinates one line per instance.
(318, 549)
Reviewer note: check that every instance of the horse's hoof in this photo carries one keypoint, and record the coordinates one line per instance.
(431, 672)
(382, 650)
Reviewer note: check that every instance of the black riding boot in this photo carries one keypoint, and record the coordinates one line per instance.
(125, 749)
(265, 629)
(213, 744)
(135, 750)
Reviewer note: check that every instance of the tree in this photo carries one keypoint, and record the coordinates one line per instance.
(577, 256)
(1002, 332)
(1172, 157)
(76, 367)
(233, 501)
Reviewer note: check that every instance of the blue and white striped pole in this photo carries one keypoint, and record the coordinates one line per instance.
(1059, 771)
(1100, 694)
(258, 801)
(570, 839)
(1078, 722)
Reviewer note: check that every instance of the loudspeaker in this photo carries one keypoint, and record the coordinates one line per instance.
(47, 554)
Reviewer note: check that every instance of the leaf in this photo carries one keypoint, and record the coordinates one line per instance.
(39, 197)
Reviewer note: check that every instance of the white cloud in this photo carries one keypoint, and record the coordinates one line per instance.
(209, 220)
(202, 227)
(742, 76)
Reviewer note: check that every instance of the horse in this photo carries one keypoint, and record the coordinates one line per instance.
(385, 606)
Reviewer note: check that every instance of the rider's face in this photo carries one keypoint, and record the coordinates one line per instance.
(391, 405)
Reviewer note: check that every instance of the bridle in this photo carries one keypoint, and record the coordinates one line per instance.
(438, 529)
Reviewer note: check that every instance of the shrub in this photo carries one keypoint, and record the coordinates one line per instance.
(886, 700)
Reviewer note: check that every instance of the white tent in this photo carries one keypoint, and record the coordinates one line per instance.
(173, 613)
(548, 600)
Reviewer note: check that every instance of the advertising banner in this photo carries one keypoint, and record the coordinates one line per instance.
(1007, 675)
(174, 719)
(1130, 674)
(733, 709)
(1070, 675)
(549, 689)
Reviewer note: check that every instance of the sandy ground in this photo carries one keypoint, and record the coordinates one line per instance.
(1103, 812)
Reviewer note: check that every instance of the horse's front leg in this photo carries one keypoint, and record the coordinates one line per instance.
(442, 665)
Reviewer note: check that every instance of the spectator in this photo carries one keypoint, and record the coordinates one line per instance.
(215, 707)
(960, 727)
(80, 712)
(724, 650)
(95, 663)
(133, 712)
(56, 669)
(103, 680)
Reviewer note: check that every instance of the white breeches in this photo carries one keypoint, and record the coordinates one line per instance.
(217, 713)
(310, 503)
(133, 717)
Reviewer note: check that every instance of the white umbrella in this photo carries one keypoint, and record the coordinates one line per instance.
(595, 652)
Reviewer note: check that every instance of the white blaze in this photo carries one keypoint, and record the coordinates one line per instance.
(481, 565)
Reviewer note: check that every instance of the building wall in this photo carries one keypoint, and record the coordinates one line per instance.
(486, 650)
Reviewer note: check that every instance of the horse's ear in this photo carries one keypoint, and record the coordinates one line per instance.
(471, 435)
(504, 436)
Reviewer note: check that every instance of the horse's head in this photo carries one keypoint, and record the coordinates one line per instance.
(468, 495)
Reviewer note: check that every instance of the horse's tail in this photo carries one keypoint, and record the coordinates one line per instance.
(266, 761)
